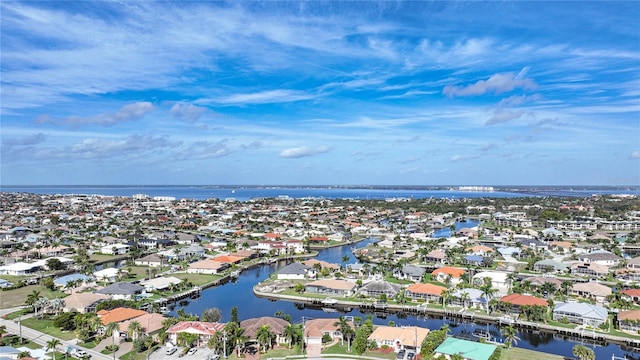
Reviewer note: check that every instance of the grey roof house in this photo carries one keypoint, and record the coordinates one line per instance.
(121, 290)
(580, 313)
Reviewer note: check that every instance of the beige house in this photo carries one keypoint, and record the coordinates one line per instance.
(83, 302)
(207, 266)
(399, 338)
(591, 290)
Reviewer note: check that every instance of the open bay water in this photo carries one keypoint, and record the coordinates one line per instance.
(201, 192)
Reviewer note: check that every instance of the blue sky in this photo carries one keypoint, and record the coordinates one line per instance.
(393, 92)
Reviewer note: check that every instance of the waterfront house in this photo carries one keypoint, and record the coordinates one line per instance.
(426, 292)
(601, 257)
(410, 272)
(276, 325)
(469, 350)
(514, 302)
(399, 338)
(83, 302)
(160, 283)
(207, 266)
(151, 260)
(293, 271)
(377, 288)
(580, 313)
(632, 295)
(20, 268)
(115, 249)
(331, 287)
(589, 269)
(591, 290)
(468, 297)
(321, 264)
(204, 330)
(550, 266)
(629, 320)
(448, 273)
(75, 279)
(107, 275)
(121, 290)
(228, 259)
(634, 264)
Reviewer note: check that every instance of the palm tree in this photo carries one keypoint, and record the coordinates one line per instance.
(265, 337)
(53, 345)
(464, 297)
(510, 336)
(290, 332)
(110, 330)
(32, 298)
(446, 296)
(134, 330)
(488, 292)
(345, 259)
(511, 277)
(344, 326)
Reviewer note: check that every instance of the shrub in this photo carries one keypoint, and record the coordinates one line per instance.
(326, 338)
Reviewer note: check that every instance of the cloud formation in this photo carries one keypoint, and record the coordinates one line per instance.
(303, 151)
(187, 111)
(129, 112)
(496, 84)
(24, 141)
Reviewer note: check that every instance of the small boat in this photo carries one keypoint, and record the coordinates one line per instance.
(164, 310)
(329, 301)
(482, 334)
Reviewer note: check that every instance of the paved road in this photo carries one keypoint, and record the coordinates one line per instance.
(41, 338)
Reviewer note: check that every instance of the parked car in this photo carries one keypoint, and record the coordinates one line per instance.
(410, 355)
(171, 350)
(401, 354)
(192, 351)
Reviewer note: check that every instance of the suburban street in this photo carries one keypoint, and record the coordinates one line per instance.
(42, 338)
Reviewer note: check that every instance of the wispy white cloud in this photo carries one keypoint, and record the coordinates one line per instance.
(262, 97)
(24, 141)
(634, 155)
(304, 151)
(501, 116)
(129, 112)
(187, 111)
(497, 84)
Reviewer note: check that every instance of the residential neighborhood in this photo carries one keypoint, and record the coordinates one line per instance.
(111, 269)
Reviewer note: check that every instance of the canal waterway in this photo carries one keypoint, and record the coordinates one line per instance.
(240, 293)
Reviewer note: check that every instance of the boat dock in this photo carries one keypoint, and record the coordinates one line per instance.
(557, 331)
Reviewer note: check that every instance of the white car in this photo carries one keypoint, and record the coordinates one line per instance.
(192, 351)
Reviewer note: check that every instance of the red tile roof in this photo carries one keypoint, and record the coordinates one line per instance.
(430, 289)
(524, 300)
(119, 314)
(453, 272)
(632, 292)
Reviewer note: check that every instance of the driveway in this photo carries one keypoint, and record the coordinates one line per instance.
(203, 353)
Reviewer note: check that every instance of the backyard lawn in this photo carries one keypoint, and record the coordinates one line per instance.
(197, 279)
(16, 297)
(519, 354)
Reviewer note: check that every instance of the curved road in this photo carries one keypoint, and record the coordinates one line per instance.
(41, 338)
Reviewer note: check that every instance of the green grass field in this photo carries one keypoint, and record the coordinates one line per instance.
(520, 354)
(16, 297)
(46, 326)
(197, 279)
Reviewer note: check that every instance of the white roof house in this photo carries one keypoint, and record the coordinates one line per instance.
(160, 283)
(581, 313)
(108, 274)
